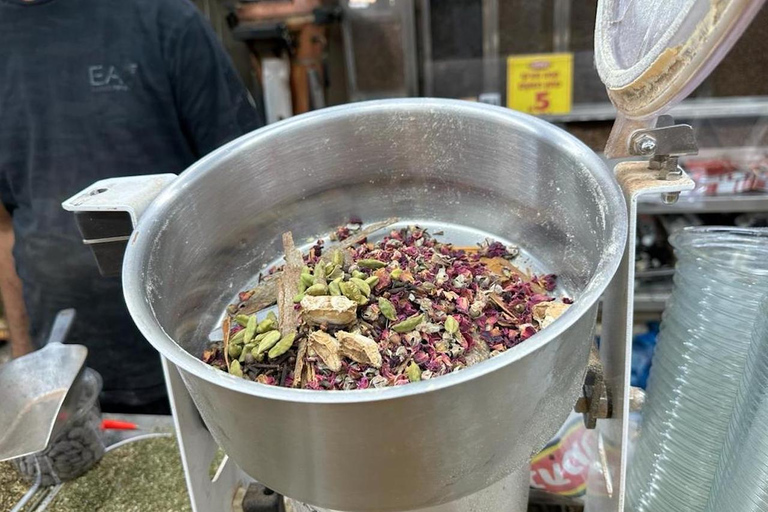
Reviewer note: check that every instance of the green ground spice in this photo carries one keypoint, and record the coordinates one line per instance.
(137, 477)
(12, 486)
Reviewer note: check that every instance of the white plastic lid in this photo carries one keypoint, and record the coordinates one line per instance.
(652, 53)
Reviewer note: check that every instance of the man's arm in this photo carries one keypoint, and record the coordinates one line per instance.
(10, 289)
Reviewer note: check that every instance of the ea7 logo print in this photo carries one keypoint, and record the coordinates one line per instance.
(105, 78)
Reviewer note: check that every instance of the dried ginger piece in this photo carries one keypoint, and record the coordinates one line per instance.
(547, 312)
(359, 348)
(333, 310)
(327, 348)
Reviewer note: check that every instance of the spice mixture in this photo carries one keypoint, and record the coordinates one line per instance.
(139, 476)
(12, 486)
(356, 314)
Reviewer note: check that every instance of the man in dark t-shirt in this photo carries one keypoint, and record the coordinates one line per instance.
(91, 89)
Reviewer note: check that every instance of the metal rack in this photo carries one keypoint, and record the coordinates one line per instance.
(739, 203)
(693, 108)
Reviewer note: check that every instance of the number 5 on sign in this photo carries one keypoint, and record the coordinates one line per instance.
(540, 84)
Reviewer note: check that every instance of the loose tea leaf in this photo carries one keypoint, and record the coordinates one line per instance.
(141, 476)
(12, 486)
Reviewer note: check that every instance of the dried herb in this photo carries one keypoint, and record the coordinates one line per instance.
(12, 486)
(138, 476)
(407, 308)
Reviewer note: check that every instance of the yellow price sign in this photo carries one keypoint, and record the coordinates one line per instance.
(540, 84)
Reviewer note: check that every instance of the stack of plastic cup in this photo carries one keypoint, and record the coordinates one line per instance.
(741, 481)
(721, 277)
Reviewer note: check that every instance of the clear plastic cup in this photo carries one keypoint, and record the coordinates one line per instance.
(721, 277)
(741, 480)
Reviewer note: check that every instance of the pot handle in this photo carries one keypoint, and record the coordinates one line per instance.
(107, 211)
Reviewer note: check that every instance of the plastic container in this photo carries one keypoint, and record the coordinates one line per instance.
(741, 481)
(721, 277)
(77, 444)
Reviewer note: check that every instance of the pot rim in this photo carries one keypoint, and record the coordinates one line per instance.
(140, 247)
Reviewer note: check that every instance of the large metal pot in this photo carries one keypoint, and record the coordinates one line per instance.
(460, 163)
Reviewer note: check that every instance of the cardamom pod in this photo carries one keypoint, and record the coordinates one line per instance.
(282, 347)
(267, 343)
(307, 279)
(361, 285)
(265, 325)
(336, 274)
(237, 338)
(273, 316)
(371, 263)
(297, 298)
(250, 329)
(408, 324)
(302, 287)
(451, 325)
(387, 309)
(395, 274)
(234, 369)
(372, 281)
(333, 288)
(235, 351)
(317, 289)
(319, 275)
(337, 257)
(242, 320)
(413, 372)
(329, 267)
(352, 292)
(358, 274)
(246, 350)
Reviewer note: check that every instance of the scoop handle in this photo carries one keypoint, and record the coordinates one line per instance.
(61, 325)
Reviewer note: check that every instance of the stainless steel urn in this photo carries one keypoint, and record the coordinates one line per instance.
(475, 167)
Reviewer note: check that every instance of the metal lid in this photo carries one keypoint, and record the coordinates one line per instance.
(652, 53)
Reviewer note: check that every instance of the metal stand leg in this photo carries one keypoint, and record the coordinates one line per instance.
(198, 450)
(606, 488)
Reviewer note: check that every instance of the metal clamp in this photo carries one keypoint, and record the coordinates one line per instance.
(596, 402)
(664, 145)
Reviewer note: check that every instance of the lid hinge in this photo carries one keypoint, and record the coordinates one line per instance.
(664, 145)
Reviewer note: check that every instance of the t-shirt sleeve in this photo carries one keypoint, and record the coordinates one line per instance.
(213, 105)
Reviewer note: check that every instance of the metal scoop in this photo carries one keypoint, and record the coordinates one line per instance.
(33, 389)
